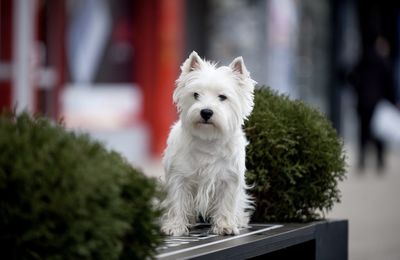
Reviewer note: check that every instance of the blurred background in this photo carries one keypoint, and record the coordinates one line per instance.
(107, 67)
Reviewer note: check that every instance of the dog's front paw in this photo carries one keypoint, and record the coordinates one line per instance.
(225, 230)
(175, 230)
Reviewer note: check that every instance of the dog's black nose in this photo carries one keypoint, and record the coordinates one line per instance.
(206, 114)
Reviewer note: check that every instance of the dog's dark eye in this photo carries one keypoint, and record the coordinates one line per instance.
(222, 97)
(196, 95)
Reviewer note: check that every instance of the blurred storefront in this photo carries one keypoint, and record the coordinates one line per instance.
(106, 67)
(109, 66)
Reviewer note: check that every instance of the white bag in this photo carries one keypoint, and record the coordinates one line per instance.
(385, 123)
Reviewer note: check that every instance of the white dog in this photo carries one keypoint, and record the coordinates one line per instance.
(205, 155)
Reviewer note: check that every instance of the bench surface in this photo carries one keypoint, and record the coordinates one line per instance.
(327, 239)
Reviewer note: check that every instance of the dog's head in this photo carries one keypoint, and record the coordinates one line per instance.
(213, 101)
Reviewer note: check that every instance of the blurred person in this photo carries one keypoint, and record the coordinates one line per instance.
(373, 80)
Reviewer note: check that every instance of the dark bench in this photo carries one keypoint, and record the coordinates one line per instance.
(320, 240)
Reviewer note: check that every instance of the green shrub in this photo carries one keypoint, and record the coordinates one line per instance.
(63, 196)
(295, 159)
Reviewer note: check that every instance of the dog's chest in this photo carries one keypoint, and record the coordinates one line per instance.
(210, 161)
(209, 179)
(207, 163)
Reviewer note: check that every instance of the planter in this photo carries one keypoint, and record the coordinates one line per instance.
(327, 239)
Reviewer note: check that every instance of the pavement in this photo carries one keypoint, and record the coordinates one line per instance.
(371, 203)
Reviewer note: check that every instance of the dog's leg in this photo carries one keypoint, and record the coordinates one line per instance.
(224, 214)
(244, 208)
(178, 207)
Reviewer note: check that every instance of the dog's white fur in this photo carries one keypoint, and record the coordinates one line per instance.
(205, 159)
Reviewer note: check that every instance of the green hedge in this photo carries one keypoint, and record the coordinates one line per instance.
(295, 159)
(63, 196)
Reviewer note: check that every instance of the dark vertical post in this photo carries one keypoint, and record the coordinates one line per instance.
(334, 98)
(196, 31)
(56, 38)
(6, 45)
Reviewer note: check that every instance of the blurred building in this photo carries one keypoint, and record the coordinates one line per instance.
(109, 66)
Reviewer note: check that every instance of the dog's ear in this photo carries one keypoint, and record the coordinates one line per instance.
(237, 66)
(192, 63)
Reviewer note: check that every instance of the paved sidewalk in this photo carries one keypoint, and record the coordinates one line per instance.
(371, 202)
